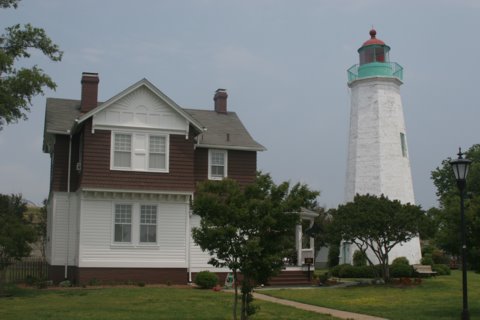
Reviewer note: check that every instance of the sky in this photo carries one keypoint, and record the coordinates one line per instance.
(283, 64)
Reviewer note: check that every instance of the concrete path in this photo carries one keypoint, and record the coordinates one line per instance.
(335, 313)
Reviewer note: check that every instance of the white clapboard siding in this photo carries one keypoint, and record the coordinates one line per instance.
(198, 258)
(97, 248)
(63, 228)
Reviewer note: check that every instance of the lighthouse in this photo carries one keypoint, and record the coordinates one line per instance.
(378, 160)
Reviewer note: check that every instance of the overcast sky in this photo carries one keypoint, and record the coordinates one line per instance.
(284, 65)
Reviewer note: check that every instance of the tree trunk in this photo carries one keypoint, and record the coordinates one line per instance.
(386, 269)
(235, 301)
(244, 301)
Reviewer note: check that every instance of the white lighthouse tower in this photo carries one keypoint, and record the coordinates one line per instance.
(378, 160)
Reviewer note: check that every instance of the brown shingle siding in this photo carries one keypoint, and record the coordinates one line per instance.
(201, 164)
(97, 174)
(242, 165)
(60, 163)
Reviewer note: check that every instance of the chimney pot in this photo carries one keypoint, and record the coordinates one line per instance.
(220, 99)
(89, 97)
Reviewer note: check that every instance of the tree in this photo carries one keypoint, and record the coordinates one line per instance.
(19, 86)
(377, 224)
(16, 233)
(248, 229)
(447, 216)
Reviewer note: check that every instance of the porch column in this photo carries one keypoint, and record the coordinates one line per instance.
(298, 243)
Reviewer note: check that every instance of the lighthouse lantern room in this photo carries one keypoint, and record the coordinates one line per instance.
(374, 61)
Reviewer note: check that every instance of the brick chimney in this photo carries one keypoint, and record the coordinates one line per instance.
(89, 91)
(220, 99)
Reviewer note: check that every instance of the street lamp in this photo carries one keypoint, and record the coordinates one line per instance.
(460, 168)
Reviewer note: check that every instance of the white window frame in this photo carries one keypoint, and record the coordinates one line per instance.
(112, 153)
(145, 153)
(149, 223)
(115, 223)
(135, 226)
(166, 153)
(225, 159)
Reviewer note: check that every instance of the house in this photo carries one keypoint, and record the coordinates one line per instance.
(123, 175)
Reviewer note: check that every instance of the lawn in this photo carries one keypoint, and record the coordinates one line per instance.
(436, 298)
(133, 303)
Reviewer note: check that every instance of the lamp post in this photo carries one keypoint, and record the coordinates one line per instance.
(460, 168)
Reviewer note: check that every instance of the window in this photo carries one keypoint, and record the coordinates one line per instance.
(123, 223)
(137, 151)
(217, 164)
(403, 142)
(122, 154)
(135, 224)
(148, 223)
(157, 152)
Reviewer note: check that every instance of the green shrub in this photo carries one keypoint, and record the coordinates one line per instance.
(346, 271)
(65, 284)
(323, 278)
(401, 270)
(30, 280)
(363, 272)
(206, 279)
(333, 253)
(359, 258)
(427, 260)
(441, 269)
(401, 260)
(428, 249)
(349, 271)
(42, 283)
(439, 257)
(335, 271)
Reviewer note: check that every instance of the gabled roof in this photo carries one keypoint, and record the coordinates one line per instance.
(223, 130)
(135, 86)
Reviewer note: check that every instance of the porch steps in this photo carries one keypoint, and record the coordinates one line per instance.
(291, 278)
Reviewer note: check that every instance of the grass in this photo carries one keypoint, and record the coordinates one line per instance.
(438, 298)
(134, 303)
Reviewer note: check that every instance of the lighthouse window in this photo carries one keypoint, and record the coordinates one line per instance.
(404, 144)
(373, 54)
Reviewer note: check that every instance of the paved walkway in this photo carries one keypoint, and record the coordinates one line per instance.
(309, 307)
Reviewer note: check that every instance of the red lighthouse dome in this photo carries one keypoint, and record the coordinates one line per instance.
(373, 50)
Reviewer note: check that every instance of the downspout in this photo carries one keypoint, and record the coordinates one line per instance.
(68, 202)
(189, 266)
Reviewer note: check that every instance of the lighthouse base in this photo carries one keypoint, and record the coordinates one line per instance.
(410, 250)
